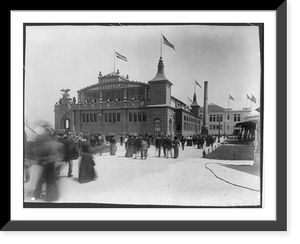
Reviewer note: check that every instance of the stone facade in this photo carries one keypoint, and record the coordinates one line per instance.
(118, 105)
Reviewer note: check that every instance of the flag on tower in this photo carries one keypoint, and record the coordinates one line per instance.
(118, 55)
(197, 83)
(230, 97)
(249, 98)
(253, 99)
(190, 99)
(166, 42)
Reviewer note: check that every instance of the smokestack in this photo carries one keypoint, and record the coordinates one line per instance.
(204, 130)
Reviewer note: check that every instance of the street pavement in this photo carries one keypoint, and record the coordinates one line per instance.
(189, 180)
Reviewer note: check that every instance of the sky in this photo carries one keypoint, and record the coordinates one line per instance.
(62, 56)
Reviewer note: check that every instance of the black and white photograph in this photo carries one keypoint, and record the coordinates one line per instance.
(143, 115)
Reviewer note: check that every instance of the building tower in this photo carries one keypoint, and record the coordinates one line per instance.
(195, 106)
(160, 87)
(204, 130)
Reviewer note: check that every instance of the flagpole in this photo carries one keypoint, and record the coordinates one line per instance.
(195, 86)
(246, 101)
(228, 101)
(114, 60)
(161, 44)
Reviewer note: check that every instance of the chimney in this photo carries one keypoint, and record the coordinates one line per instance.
(204, 130)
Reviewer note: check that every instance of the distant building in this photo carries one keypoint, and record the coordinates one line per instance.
(228, 119)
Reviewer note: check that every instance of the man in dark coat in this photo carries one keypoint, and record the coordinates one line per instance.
(175, 145)
(70, 152)
(158, 144)
(182, 140)
(164, 138)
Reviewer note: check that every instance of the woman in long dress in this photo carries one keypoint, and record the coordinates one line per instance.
(87, 171)
(130, 147)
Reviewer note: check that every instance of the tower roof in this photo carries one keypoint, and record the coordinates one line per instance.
(194, 103)
(160, 75)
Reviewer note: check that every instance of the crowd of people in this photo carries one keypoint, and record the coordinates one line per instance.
(53, 151)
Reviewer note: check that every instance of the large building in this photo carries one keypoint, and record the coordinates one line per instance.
(117, 105)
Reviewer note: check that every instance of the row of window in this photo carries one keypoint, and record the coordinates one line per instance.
(216, 117)
(237, 117)
(189, 119)
(137, 117)
(188, 126)
(89, 118)
(216, 127)
(115, 117)
(121, 94)
(112, 117)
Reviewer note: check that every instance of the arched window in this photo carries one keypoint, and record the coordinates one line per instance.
(65, 123)
(157, 125)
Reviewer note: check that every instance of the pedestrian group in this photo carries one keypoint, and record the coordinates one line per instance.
(53, 151)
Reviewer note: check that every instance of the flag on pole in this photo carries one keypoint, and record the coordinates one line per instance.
(166, 42)
(230, 97)
(197, 83)
(190, 99)
(249, 98)
(118, 55)
(253, 99)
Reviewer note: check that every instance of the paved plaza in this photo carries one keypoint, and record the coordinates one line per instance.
(189, 180)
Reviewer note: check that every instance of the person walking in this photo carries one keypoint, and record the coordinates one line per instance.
(163, 143)
(182, 140)
(113, 145)
(47, 152)
(175, 144)
(87, 171)
(201, 142)
(130, 147)
(158, 144)
(168, 146)
(126, 142)
(137, 146)
(70, 152)
(144, 148)
(121, 140)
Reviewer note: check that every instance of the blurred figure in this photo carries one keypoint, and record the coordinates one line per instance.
(175, 144)
(144, 147)
(126, 142)
(137, 146)
(121, 140)
(70, 151)
(183, 140)
(87, 171)
(47, 153)
(163, 143)
(168, 145)
(158, 144)
(29, 157)
(113, 145)
(130, 147)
